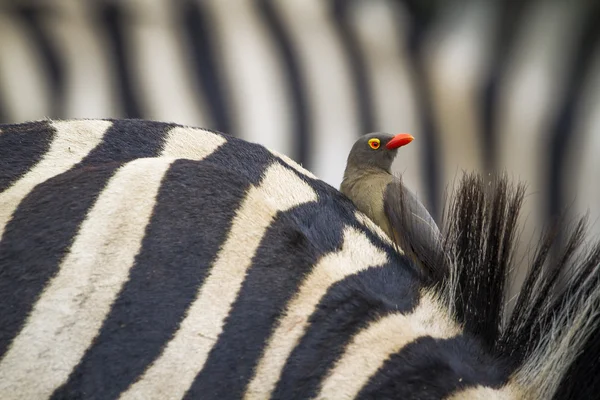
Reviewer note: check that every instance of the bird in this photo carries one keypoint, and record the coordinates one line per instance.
(370, 184)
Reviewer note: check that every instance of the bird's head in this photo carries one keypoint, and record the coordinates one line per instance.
(376, 151)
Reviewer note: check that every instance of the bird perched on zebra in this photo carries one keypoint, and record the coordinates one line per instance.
(148, 260)
(374, 190)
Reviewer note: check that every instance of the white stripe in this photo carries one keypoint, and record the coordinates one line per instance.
(508, 392)
(164, 79)
(457, 58)
(256, 85)
(329, 86)
(173, 372)
(372, 346)
(70, 311)
(191, 143)
(26, 92)
(90, 86)
(357, 254)
(381, 28)
(293, 164)
(72, 142)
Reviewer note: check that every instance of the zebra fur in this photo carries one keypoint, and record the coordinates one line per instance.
(142, 259)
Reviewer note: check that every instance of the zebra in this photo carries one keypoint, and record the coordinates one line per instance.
(152, 260)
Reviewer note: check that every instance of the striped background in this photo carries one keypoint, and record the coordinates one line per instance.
(509, 86)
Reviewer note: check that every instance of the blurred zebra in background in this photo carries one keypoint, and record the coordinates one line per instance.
(483, 86)
(146, 260)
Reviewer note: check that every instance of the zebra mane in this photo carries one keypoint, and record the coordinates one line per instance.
(549, 340)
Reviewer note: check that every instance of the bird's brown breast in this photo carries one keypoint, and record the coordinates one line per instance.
(366, 192)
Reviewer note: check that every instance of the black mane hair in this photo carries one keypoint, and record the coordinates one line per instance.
(551, 339)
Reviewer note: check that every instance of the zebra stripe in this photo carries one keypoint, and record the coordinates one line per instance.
(365, 355)
(62, 155)
(169, 270)
(482, 393)
(203, 324)
(66, 317)
(356, 254)
(191, 143)
(76, 144)
(37, 144)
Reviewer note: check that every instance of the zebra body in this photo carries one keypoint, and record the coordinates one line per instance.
(146, 260)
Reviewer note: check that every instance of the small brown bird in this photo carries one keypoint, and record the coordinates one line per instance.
(374, 190)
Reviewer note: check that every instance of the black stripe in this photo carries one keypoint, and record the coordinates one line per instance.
(179, 246)
(423, 13)
(270, 283)
(44, 225)
(348, 306)
(129, 139)
(113, 19)
(304, 234)
(249, 160)
(355, 61)
(21, 147)
(37, 238)
(509, 22)
(330, 197)
(198, 28)
(431, 369)
(301, 118)
(31, 16)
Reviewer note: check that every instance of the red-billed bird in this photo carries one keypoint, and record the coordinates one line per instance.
(374, 190)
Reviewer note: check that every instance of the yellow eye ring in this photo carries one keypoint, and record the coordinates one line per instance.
(374, 143)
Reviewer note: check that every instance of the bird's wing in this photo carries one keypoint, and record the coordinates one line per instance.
(415, 231)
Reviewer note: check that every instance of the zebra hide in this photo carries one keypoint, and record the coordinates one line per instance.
(147, 260)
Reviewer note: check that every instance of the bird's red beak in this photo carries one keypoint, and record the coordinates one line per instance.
(402, 139)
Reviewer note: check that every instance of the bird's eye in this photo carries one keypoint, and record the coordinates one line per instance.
(374, 143)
